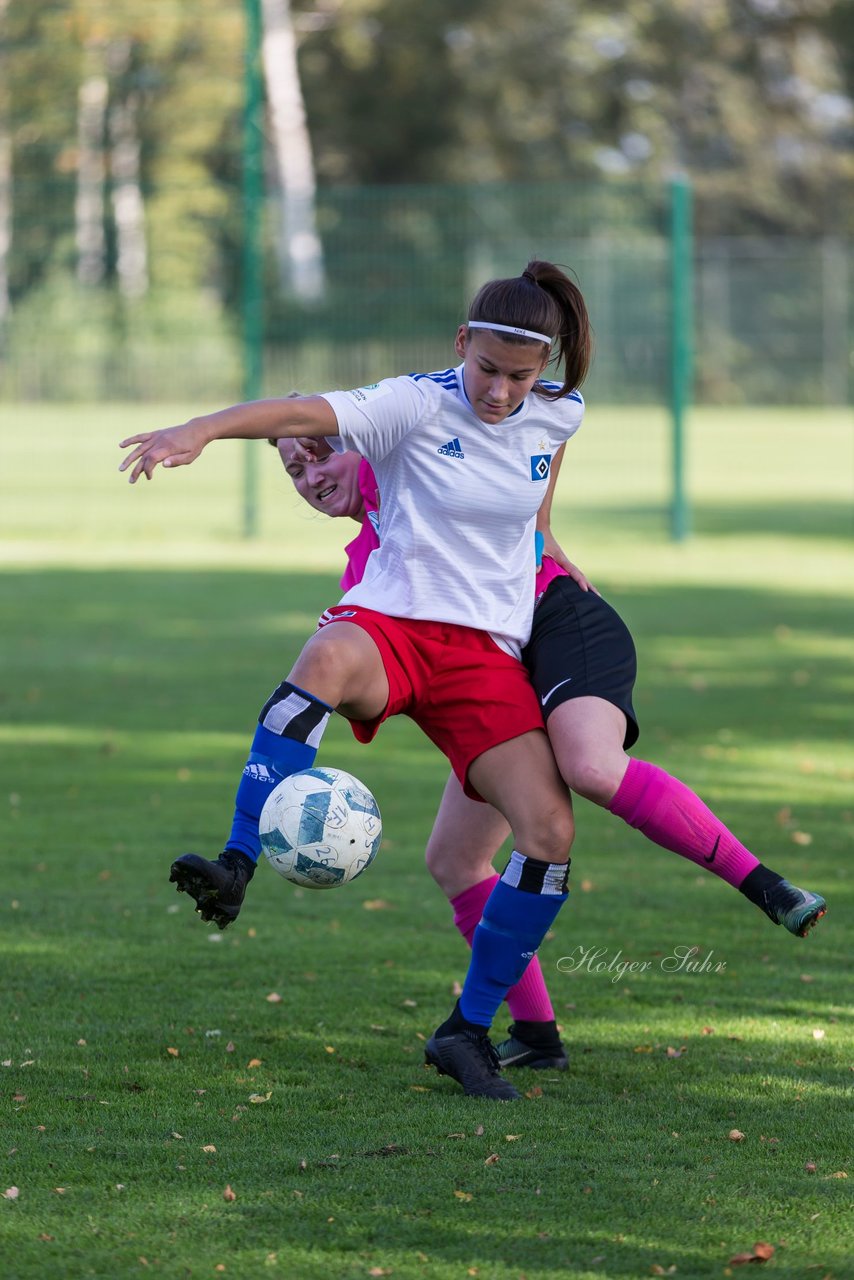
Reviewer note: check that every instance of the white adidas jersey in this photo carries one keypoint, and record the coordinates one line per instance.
(459, 499)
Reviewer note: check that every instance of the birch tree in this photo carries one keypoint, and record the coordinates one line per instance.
(299, 250)
(90, 236)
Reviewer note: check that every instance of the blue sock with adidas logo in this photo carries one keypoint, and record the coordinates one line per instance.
(286, 740)
(517, 916)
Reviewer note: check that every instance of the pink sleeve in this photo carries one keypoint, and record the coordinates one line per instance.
(549, 570)
(367, 539)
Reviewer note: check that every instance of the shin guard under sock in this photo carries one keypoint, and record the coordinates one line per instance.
(528, 1000)
(671, 815)
(286, 740)
(520, 911)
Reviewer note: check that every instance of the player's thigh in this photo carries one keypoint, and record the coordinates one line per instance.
(465, 838)
(586, 736)
(520, 778)
(342, 665)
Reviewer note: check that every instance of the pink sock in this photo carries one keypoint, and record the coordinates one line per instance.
(529, 1000)
(670, 814)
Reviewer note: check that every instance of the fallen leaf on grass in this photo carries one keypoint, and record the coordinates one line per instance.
(377, 904)
(380, 1271)
(801, 837)
(210, 1148)
(478, 1133)
(818, 1033)
(810, 1166)
(536, 1092)
(11, 1193)
(229, 1048)
(676, 1053)
(273, 998)
(253, 1062)
(173, 1053)
(761, 1253)
(493, 1159)
(839, 1174)
(260, 1097)
(228, 1194)
(463, 1195)
(512, 1137)
(735, 1135)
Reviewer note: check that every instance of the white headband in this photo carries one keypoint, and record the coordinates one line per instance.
(510, 328)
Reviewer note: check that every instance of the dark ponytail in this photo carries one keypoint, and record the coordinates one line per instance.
(542, 299)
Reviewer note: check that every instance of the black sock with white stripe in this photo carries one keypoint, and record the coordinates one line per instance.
(290, 727)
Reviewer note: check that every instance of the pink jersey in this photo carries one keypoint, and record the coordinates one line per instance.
(367, 539)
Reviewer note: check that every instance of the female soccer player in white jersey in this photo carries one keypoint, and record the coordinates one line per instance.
(436, 626)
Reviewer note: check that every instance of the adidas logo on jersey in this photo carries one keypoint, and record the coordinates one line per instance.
(453, 449)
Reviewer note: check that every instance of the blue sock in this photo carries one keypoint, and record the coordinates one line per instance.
(518, 914)
(286, 740)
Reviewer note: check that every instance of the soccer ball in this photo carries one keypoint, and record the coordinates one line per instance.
(320, 828)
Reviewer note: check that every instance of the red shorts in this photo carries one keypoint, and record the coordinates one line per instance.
(464, 692)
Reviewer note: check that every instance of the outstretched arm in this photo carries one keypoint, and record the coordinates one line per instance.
(309, 416)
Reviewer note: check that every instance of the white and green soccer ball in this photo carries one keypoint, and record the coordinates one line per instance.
(320, 828)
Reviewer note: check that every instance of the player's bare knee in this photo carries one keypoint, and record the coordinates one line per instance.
(549, 837)
(594, 779)
(439, 859)
(327, 666)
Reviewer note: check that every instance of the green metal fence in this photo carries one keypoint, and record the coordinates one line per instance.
(772, 317)
(677, 318)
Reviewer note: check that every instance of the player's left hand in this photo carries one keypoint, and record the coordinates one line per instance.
(553, 549)
(172, 447)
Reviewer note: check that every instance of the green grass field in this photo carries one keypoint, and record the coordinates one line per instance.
(165, 1115)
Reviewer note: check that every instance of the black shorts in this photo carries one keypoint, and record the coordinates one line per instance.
(581, 648)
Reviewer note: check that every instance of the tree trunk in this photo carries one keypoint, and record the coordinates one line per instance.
(89, 205)
(299, 250)
(128, 206)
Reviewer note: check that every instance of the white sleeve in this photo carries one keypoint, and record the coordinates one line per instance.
(372, 420)
(567, 415)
